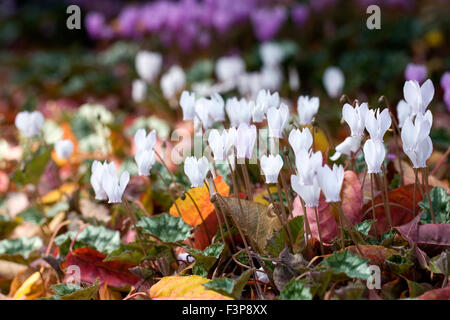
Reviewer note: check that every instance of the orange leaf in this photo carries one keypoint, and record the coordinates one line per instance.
(184, 288)
(201, 196)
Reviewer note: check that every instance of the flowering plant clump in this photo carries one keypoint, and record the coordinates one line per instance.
(257, 173)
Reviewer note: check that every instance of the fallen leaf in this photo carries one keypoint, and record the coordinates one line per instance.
(437, 294)
(91, 265)
(200, 195)
(409, 178)
(184, 288)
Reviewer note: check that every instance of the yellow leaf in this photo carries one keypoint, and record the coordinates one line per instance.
(184, 288)
(200, 195)
(56, 195)
(26, 290)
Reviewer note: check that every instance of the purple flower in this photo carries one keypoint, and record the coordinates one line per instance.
(447, 99)
(445, 81)
(416, 72)
(128, 21)
(319, 5)
(300, 14)
(267, 22)
(96, 27)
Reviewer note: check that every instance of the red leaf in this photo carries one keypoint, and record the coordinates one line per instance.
(201, 240)
(92, 266)
(437, 294)
(400, 205)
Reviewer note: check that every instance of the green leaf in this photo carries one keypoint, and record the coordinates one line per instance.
(68, 291)
(204, 260)
(88, 293)
(277, 243)
(34, 168)
(130, 253)
(201, 70)
(96, 237)
(365, 226)
(351, 264)
(57, 208)
(32, 215)
(398, 264)
(441, 263)
(22, 246)
(440, 201)
(165, 227)
(296, 290)
(230, 287)
(415, 289)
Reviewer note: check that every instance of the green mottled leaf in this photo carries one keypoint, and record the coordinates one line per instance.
(96, 237)
(229, 287)
(56, 208)
(204, 260)
(351, 264)
(165, 227)
(130, 253)
(277, 243)
(440, 201)
(22, 246)
(32, 215)
(398, 264)
(365, 226)
(296, 290)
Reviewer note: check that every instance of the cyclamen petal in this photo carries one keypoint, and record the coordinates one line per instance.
(277, 119)
(29, 123)
(271, 166)
(196, 170)
(145, 159)
(246, 141)
(309, 193)
(64, 148)
(307, 164)
(377, 123)
(187, 104)
(330, 181)
(418, 97)
(374, 154)
(307, 108)
(355, 118)
(300, 140)
(349, 145)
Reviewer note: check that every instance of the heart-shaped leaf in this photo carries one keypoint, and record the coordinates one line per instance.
(165, 227)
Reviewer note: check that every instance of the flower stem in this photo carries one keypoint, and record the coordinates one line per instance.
(388, 208)
(427, 191)
(318, 230)
(373, 204)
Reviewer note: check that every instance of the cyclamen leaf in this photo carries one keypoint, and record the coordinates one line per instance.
(96, 237)
(23, 246)
(440, 200)
(276, 244)
(296, 290)
(206, 259)
(230, 287)
(32, 215)
(350, 264)
(165, 227)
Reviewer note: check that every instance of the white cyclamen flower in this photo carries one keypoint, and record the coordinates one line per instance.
(403, 112)
(349, 145)
(221, 144)
(374, 154)
(239, 111)
(333, 81)
(246, 140)
(355, 118)
(310, 193)
(145, 156)
(29, 123)
(173, 82)
(307, 108)
(64, 148)
(416, 141)
(277, 119)
(145, 159)
(187, 104)
(111, 184)
(97, 170)
(138, 90)
(196, 170)
(148, 65)
(271, 53)
(378, 123)
(418, 97)
(145, 141)
(271, 166)
(264, 101)
(307, 164)
(330, 181)
(228, 69)
(217, 111)
(300, 140)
